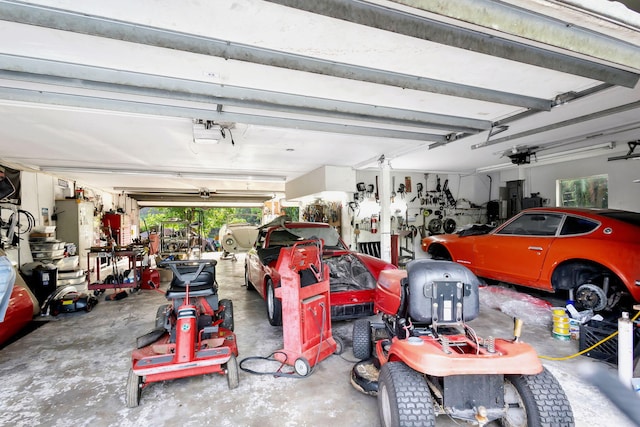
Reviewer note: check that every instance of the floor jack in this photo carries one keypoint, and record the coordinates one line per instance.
(306, 313)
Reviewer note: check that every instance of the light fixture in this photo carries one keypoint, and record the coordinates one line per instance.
(575, 154)
(206, 132)
(204, 193)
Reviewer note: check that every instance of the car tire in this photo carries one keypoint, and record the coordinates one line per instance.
(362, 341)
(247, 282)
(274, 306)
(535, 400)
(439, 253)
(590, 296)
(404, 398)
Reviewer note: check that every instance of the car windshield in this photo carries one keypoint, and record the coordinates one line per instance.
(328, 234)
(534, 224)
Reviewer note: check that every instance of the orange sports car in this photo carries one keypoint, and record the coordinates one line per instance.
(594, 254)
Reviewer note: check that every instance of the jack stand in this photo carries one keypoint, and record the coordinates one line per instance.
(306, 310)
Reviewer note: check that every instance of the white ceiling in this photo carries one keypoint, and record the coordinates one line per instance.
(113, 87)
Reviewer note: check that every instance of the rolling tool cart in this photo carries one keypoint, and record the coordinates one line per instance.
(306, 311)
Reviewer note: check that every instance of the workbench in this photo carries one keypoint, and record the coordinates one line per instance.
(117, 279)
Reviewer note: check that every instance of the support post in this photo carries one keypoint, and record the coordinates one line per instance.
(385, 205)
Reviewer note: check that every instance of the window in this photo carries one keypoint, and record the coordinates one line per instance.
(534, 224)
(575, 225)
(588, 192)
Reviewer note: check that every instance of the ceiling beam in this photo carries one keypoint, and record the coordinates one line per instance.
(564, 123)
(66, 20)
(170, 110)
(510, 19)
(408, 24)
(65, 74)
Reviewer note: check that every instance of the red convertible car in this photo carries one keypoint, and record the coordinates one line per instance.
(352, 278)
(594, 254)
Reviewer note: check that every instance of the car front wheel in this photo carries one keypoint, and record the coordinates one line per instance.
(439, 253)
(274, 306)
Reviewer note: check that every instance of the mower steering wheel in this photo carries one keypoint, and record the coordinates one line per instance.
(174, 269)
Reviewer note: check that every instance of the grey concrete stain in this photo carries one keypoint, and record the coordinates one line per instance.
(73, 371)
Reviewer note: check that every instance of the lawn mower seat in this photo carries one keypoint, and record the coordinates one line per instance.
(202, 285)
(441, 293)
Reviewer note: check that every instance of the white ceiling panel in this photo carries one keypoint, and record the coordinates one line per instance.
(106, 89)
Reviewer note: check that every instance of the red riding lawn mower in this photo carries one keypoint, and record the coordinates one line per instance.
(193, 334)
(427, 361)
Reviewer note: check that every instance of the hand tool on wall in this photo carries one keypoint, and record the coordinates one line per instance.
(377, 196)
(393, 189)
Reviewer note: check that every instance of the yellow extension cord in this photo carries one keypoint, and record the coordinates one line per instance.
(571, 356)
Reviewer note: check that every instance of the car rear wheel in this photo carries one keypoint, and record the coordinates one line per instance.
(247, 282)
(274, 306)
(590, 297)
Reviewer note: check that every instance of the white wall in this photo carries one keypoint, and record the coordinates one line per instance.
(623, 192)
(40, 191)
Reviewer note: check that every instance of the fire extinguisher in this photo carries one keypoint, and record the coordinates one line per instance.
(374, 224)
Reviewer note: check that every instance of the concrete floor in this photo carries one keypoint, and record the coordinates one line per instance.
(73, 371)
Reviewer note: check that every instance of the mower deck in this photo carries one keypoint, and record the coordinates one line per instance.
(157, 362)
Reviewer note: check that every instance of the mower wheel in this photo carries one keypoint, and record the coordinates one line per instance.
(535, 400)
(274, 306)
(161, 315)
(227, 314)
(362, 341)
(134, 389)
(233, 377)
(339, 345)
(302, 367)
(404, 398)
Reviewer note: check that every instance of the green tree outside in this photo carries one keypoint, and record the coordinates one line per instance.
(212, 218)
